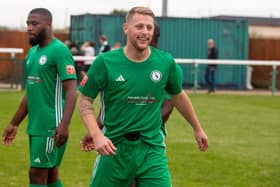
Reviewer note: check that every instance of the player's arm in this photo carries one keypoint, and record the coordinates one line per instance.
(11, 130)
(183, 103)
(86, 142)
(62, 132)
(102, 144)
(166, 109)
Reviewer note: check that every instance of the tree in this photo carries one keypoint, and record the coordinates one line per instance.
(121, 12)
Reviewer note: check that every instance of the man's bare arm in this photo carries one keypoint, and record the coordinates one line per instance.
(10, 131)
(62, 132)
(183, 104)
(21, 112)
(87, 115)
(102, 144)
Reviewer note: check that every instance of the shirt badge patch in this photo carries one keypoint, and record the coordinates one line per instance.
(155, 76)
(83, 82)
(70, 69)
(43, 60)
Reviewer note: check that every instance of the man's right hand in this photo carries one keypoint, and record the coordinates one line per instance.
(104, 145)
(9, 134)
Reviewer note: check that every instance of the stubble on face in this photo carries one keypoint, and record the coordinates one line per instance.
(140, 31)
(37, 28)
(39, 38)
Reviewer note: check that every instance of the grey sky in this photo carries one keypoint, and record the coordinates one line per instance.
(13, 12)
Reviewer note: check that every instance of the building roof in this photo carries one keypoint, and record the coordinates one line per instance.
(269, 21)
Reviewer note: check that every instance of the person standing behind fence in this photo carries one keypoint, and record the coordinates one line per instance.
(211, 68)
(88, 50)
(104, 44)
(49, 101)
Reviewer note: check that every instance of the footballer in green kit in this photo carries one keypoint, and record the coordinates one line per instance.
(46, 69)
(132, 82)
(127, 90)
(49, 101)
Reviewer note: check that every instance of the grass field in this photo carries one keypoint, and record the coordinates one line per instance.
(244, 145)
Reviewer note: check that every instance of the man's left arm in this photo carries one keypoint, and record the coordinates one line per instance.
(183, 104)
(62, 131)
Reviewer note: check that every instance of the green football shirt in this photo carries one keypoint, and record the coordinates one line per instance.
(180, 78)
(46, 68)
(132, 93)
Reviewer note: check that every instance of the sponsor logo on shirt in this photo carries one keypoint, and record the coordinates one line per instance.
(141, 100)
(33, 80)
(155, 76)
(70, 69)
(83, 82)
(43, 60)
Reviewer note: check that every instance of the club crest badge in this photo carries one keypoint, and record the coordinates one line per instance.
(156, 76)
(43, 60)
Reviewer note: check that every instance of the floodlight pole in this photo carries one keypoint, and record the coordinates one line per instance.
(164, 8)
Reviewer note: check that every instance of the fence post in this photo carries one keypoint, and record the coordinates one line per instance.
(195, 72)
(273, 82)
(13, 62)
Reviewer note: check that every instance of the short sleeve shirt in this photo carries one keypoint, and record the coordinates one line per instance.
(46, 68)
(132, 92)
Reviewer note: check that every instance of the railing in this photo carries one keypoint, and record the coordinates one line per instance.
(196, 63)
(14, 64)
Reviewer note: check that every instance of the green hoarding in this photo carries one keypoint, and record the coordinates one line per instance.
(183, 38)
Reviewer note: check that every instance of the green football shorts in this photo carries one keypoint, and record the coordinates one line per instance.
(135, 159)
(44, 153)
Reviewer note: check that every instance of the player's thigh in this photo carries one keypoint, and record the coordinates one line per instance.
(112, 171)
(154, 171)
(44, 153)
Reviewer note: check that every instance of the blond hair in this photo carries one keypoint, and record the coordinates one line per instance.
(139, 10)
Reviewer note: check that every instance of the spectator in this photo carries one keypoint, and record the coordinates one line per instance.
(211, 68)
(88, 50)
(104, 44)
(116, 45)
(68, 43)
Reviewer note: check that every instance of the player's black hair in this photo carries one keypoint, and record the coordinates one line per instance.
(156, 35)
(42, 11)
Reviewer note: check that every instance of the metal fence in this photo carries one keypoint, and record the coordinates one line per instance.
(11, 78)
(196, 72)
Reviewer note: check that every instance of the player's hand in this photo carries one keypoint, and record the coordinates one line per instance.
(104, 145)
(61, 135)
(202, 139)
(87, 143)
(9, 134)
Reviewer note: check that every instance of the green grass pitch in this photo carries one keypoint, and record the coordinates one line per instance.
(244, 145)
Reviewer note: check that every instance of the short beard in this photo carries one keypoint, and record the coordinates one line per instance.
(39, 39)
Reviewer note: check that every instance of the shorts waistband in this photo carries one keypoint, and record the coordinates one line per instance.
(132, 136)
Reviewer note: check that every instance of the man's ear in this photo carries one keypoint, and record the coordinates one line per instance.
(125, 28)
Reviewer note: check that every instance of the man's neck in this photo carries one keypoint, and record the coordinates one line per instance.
(47, 41)
(136, 55)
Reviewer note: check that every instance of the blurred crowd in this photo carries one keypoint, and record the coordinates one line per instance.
(88, 48)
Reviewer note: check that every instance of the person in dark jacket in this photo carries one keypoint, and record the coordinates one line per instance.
(211, 68)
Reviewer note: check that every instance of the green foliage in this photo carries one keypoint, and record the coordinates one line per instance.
(3, 28)
(244, 145)
(120, 12)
